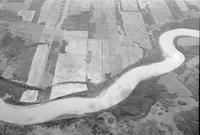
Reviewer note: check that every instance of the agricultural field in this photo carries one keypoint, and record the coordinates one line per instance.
(55, 49)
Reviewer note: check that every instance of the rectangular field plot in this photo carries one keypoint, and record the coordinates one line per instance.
(182, 5)
(135, 30)
(78, 6)
(54, 14)
(29, 96)
(71, 65)
(66, 89)
(160, 11)
(129, 5)
(77, 46)
(111, 59)
(135, 54)
(26, 4)
(94, 61)
(70, 68)
(38, 65)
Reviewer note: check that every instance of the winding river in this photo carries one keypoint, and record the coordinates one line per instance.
(109, 97)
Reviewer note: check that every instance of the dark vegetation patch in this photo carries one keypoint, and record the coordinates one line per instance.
(192, 50)
(24, 61)
(8, 87)
(11, 45)
(194, 88)
(180, 69)
(17, 130)
(139, 102)
(2, 126)
(149, 128)
(63, 45)
(147, 16)
(61, 123)
(17, 54)
(188, 121)
(182, 102)
(190, 80)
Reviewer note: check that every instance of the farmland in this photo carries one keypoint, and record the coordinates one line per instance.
(66, 48)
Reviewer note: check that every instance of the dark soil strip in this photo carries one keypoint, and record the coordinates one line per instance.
(77, 22)
(147, 16)
(119, 20)
(92, 23)
(174, 9)
(13, 84)
(92, 30)
(49, 69)
(36, 5)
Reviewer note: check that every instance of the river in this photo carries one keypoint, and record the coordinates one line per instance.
(117, 92)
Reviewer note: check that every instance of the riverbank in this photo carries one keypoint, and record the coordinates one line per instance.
(109, 97)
